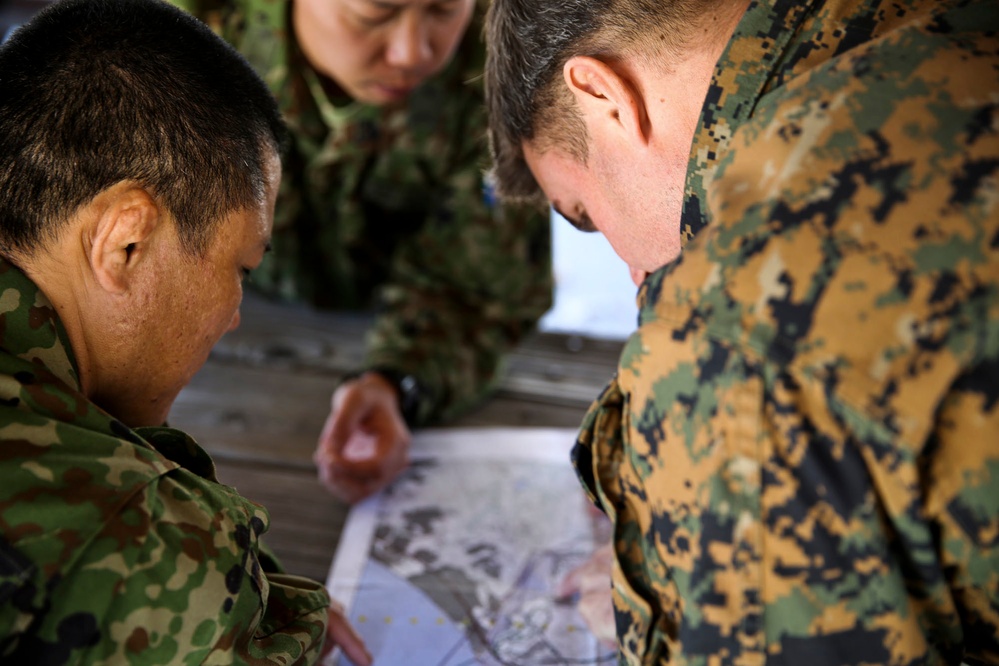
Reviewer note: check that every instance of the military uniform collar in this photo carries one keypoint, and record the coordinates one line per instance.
(28, 317)
(774, 41)
(31, 331)
(761, 43)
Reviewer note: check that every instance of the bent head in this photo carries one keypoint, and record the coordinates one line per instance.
(378, 51)
(631, 203)
(138, 172)
(565, 81)
(188, 300)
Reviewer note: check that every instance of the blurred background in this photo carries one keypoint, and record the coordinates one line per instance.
(15, 12)
(594, 295)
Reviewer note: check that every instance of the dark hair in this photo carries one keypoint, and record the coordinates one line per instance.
(95, 92)
(528, 43)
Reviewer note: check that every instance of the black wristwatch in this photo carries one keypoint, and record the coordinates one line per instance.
(411, 393)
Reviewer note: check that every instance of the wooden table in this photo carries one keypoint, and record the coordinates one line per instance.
(258, 405)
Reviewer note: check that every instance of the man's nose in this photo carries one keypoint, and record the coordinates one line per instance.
(409, 44)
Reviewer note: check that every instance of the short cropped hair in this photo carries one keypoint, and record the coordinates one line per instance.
(528, 43)
(95, 92)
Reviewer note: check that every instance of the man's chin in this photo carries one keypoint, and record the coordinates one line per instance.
(381, 95)
(638, 275)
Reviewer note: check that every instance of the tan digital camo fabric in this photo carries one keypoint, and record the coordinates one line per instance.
(387, 206)
(800, 451)
(118, 546)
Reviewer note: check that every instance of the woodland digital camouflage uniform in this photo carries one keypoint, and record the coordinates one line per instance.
(118, 545)
(389, 204)
(800, 450)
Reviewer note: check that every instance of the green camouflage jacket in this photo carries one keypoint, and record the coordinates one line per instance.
(800, 451)
(118, 545)
(387, 206)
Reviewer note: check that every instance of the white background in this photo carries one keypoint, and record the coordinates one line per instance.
(594, 295)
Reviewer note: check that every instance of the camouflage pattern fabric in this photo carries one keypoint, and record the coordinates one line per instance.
(118, 545)
(800, 450)
(387, 206)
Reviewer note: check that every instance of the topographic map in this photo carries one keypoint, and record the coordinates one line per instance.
(459, 562)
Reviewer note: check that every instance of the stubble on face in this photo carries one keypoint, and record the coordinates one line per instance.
(368, 47)
(641, 226)
(187, 303)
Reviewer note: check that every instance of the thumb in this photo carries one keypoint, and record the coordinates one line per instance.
(341, 634)
(570, 584)
(344, 419)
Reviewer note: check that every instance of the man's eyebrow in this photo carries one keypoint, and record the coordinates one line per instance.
(390, 5)
(584, 223)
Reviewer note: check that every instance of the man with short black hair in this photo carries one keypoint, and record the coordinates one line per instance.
(384, 207)
(138, 172)
(799, 450)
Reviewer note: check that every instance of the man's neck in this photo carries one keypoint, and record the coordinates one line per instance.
(675, 95)
(57, 276)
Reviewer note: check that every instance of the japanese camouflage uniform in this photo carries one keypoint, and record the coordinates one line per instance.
(117, 545)
(388, 205)
(800, 450)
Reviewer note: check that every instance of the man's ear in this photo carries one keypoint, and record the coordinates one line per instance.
(126, 217)
(606, 94)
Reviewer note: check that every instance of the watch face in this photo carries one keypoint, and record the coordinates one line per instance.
(411, 394)
(407, 384)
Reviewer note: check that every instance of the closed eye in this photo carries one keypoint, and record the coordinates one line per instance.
(373, 14)
(583, 223)
(445, 9)
(247, 270)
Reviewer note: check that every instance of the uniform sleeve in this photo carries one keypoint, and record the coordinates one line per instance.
(175, 577)
(189, 6)
(962, 502)
(199, 8)
(211, 12)
(463, 292)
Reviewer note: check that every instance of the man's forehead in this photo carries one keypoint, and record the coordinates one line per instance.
(531, 155)
(399, 4)
(543, 164)
(560, 177)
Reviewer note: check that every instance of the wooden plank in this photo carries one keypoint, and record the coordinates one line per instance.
(507, 409)
(563, 368)
(273, 416)
(255, 414)
(264, 394)
(294, 337)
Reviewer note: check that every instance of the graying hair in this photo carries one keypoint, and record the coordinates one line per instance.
(529, 42)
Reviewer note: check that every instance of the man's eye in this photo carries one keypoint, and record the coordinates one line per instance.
(584, 223)
(581, 222)
(375, 18)
(445, 10)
